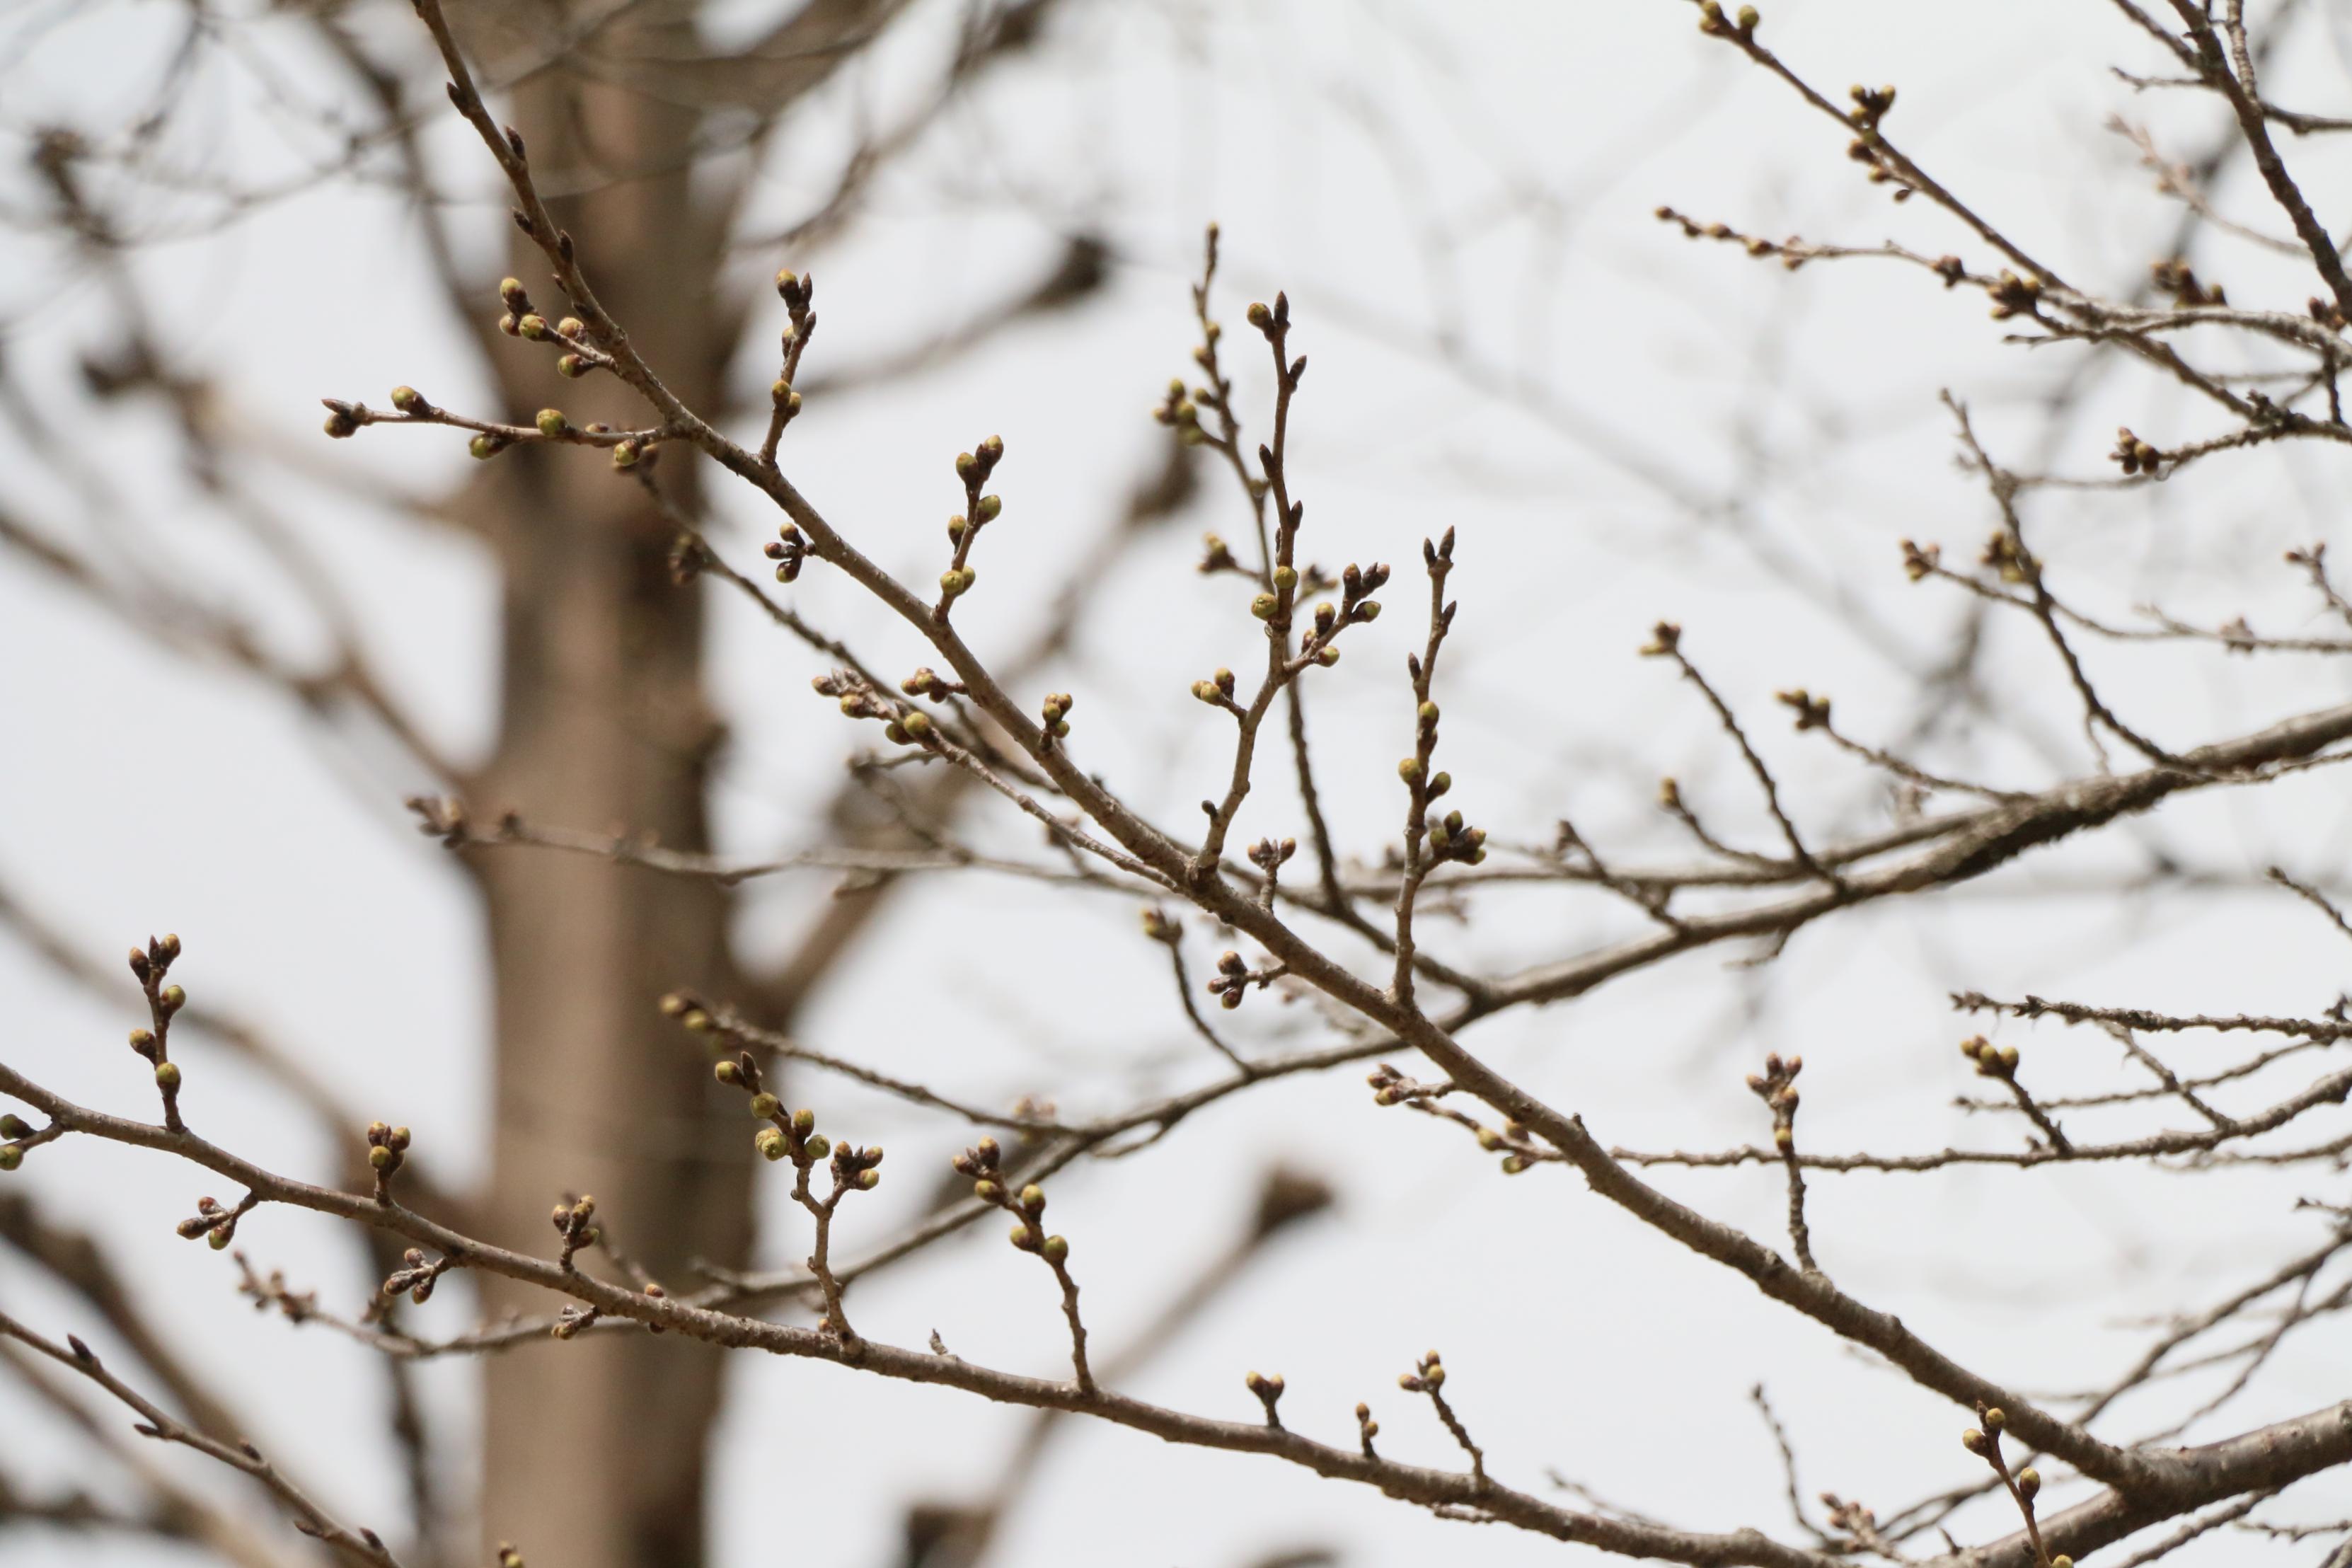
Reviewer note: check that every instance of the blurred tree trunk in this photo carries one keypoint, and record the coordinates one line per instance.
(599, 1444)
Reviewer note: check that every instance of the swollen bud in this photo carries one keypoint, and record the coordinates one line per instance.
(1056, 1249)
(167, 1076)
(552, 422)
(10, 1156)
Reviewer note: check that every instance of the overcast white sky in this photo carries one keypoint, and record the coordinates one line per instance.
(1458, 198)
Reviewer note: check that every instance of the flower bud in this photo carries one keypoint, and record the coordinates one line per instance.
(552, 422)
(10, 1156)
(167, 1076)
(728, 1073)
(765, 1105)
(1264, 606)
(770, 1142)
(485, 446)
(382, 1158)
(15, 1127)
(172, 998)
(532, 326)
(818, 1146)
(408, 400)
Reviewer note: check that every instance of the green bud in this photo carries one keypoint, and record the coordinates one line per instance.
(1369, 610)
(1032, 1198)
(1264, 605)
(770, 1142)
(167, 1076)
(918, 723)
(381, 1157)
(532, 326)
(552, 422)
(172, 998)
(570, 366)
(219, 1239)
(408, 400)
(803, 1121)
(986, 1190)
(765, 1105)
(15, 1127)
(2028, 1482)
(1748, 18)
(1410, 770)
(10, 1156)
(1021, 1236)
(485, 446)
(571, 326)
(1056, 1250)
(990, 507)
(728, 1073)
(867, 1180)
(819, 1146)
(1439, 785)
(142, 1040)
(1284, 578)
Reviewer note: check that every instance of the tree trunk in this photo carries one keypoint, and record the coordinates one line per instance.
(596, 1447)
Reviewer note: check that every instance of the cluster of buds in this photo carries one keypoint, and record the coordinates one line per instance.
(930, 683)
(903, 725)
(984, 1163)
(1366, 1428)
(1992, 1061)
(1450, 839)
(1268, 1387)
(973, 467)
(2014, 296)
(1741, 25)
(522, 320)
(1178, 411)
(1270, 856)
(1217, 691)
(1792, 251)
(1427, 1377)
(1235, 977)
(414, 1275)
(1983, 1440)
(2005, 559)
(2180, 280)
(17, 1131)
(1273, 321)
(1356, 608)
(574, 1221)
(1921, 559)
(2133, 455)
(1053, 716)
(1776, 1086)
(690, 1012)
(387, 1151)
(215, 1224)
(1870, 105)
(787, 550)
(1412, 769)
(148, 966)
(797, 290)
(792, 1134)
(1813, 712)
